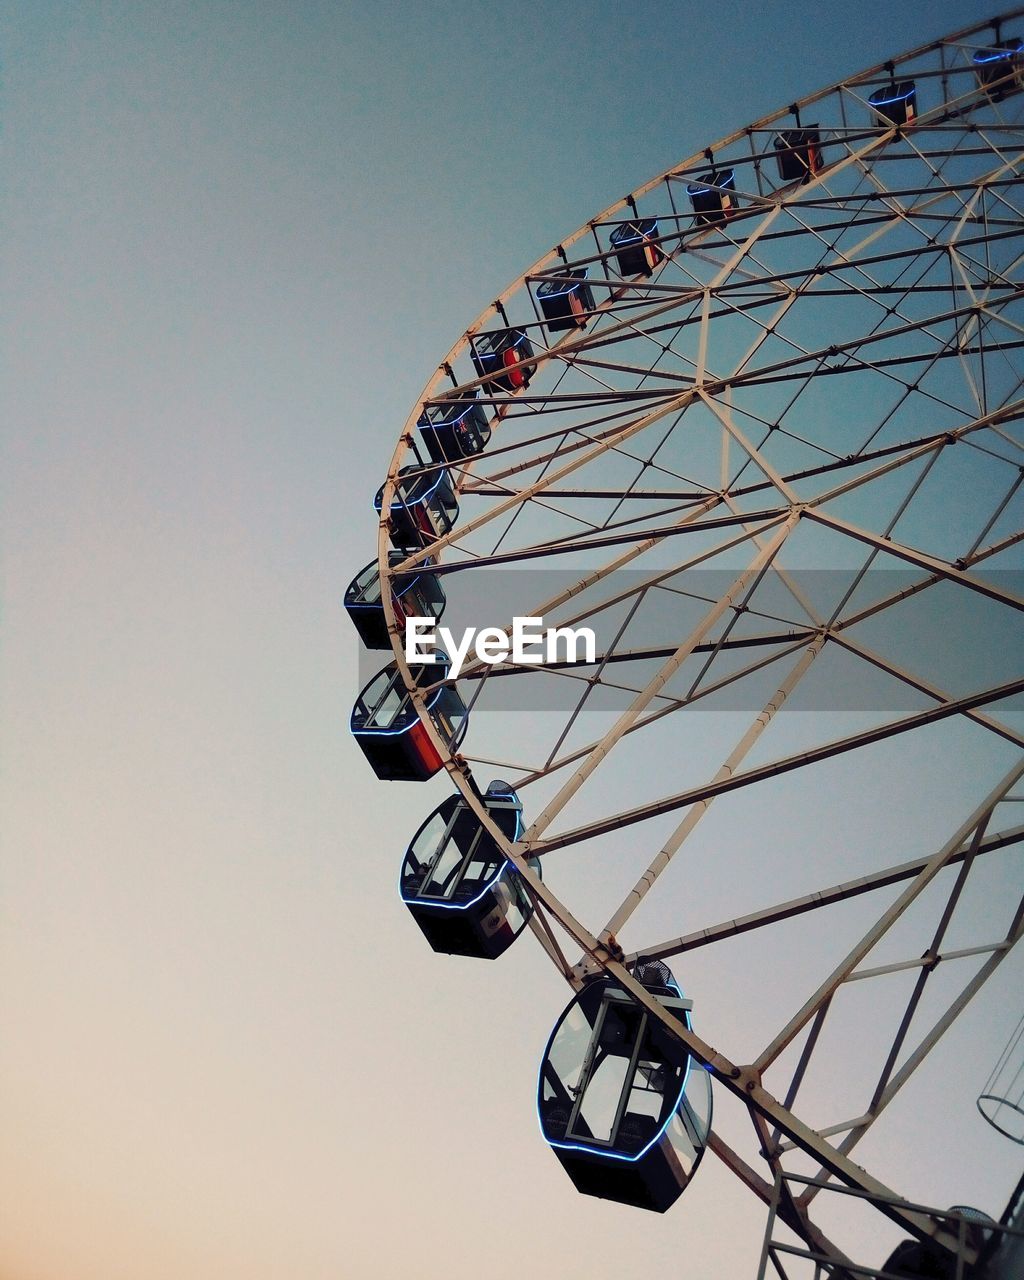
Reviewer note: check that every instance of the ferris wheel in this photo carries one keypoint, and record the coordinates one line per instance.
(756, 428)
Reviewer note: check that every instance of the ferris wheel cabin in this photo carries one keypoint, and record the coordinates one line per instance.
(624, 1106)
(1000, 68)
(455, 431)
(387, 727)
(713, 197)
(566, 299)
(423, 509)
(798, 152)
(895, 104)
(418, 595)
(634, 246)
(926, 1260)
(499, 357)
(464, 894)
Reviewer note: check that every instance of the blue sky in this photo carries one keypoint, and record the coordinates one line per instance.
(240, 236)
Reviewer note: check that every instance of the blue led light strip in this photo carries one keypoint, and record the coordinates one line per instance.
(463, 906)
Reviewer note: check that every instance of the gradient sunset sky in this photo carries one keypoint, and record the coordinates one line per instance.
(239, 237)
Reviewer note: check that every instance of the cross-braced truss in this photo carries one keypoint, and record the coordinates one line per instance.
(783, 1259)
(786, 463)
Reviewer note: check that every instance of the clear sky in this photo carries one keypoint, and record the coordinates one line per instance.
(239, 237)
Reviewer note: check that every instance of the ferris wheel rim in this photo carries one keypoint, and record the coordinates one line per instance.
(460, 774)
(600, 950)
(696, 159)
